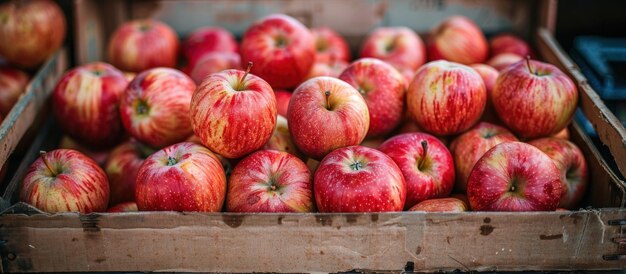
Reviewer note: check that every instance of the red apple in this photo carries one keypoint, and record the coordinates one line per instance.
(233, 112)
(332, 69)
(330, 46)
(65, 180)
(446, 98)
(31, 31)
(86, 102)
(181, 177)
(281, 139)
(514, 176)
(326, 114)
(563, 134)
(489, 76)
(281, 48)
(534, 99)
(12, 84)
(571, 163)
(458, 39)
(99, 156)
(122, 167)
(123, 207)
(282, 101)
(426, 164)
(155, 107)
(451, 205)
(270, 181)
(508, 43)
(383, 89)
(358, 179)
(227, 164)
(207, 40)
(470, 146)
(213, 62)
(503, 60)
(398, 46)
(139, 45)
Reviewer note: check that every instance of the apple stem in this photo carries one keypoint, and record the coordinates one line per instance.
(424, 153)
(171, 161)
(327, 93)
(356, 165)
(530, 68)
(45, 161)
(240, 85)
(273, 187)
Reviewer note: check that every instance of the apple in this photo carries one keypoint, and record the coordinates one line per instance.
(207, 40)
(227, 164)
(446, 98)
(489, 76)
(85, 102)
(213, 62)
(563, 134)
(181, 177)
(233, 112)
(281, 48)
(372, 143)
(503, 60)
(12, 84)
(65, 180)
(281, 139)
(514, 176)
(383, 88)
(31, 31)
(143, 44)
(570, 161)
(399, 46)
(426, 165)
(282, 101)
(509, 43)
(330, 46)
(121, 168)
(451, 205)
(155, 107)
(99, 156)
(358, 179)
(123, 207)
(461, 197)
(470, 146)
(312, 164)
(332, 69)
(326, 114)
(534, 99)
(270, 181)
(458, 39)
(129, 75)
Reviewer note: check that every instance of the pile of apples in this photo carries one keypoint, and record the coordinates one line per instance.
(303, 128)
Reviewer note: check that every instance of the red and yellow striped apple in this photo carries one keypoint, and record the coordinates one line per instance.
(399, 46)
(181, 177)
(458, 39)
(122, 167)
(451, 205)
(330, 46)
(208, 40)
(12, 84)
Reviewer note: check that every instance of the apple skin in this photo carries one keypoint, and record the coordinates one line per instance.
(65, 180)
(207, 40)
(358, 179)
(326, 114)
(227, 164)
(509, 43)
(123, 207)
(12, 84)
(426, 176)
(570, 161)
(470, 146)
(330, 46)
(563, 134)
(281, 48)
(270, 181)
(281, 139)
(458, 39)
(401, 47)
(383, 89)
(213, 62)
(122, 167)
(233, 113)
(514, 176)
(181, 177)
(139, 45)
(534, 105)
(332, 69)
(31, 31)
(451, 205)
(282, 101)
(86, 104)
(503, 60)
(155, 107)
(489, 76)
(446, 98)
(100, 156)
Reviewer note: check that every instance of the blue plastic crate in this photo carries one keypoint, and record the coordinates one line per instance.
(603, 62)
